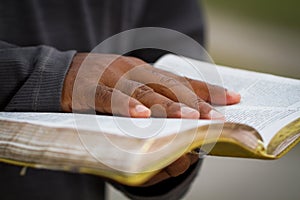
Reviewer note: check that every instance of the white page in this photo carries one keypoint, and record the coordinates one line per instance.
(132, 127)
(268, 102)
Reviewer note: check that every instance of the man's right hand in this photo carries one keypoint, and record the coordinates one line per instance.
(128, 86)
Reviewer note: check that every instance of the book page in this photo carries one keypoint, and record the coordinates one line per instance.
(87, 140)
(128, 127)
(268, 102)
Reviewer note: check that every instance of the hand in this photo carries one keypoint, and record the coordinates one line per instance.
(130, 87)
(175, 169)
(105, 82)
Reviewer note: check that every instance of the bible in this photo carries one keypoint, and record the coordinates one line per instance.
(264, 125)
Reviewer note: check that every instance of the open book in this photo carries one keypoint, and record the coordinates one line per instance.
(265, 125)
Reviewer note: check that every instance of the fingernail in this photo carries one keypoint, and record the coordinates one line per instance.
(232, 93)
(213, 114)
(189, 112)
(141, 109)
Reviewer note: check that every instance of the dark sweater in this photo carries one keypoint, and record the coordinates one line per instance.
(38, 40)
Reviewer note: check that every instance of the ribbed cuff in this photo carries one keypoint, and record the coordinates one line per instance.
(42, 90)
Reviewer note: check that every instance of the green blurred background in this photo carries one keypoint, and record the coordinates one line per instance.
(260, 35)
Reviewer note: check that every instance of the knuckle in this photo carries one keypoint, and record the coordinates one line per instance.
(128, 86)
(201, 104)
(168, 81)
(170, 105)
(103, 95)
(196, 101)
(142, 91)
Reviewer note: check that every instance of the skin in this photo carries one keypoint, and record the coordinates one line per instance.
(127, 86)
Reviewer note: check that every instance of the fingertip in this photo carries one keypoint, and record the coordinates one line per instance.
(232, 97)
(189, 113)
(140, 111)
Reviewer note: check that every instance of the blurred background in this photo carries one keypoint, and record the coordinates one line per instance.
(262, 36)
(254, 34)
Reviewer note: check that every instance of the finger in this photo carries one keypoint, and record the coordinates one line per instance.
(193, 157)
(210, 93)
(159, 177)
(112, 101)
(174, 90)
(175, 169)
(213, 93)
(179, 166)
(160, 105)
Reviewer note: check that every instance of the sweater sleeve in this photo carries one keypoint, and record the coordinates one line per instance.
(31, 78)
